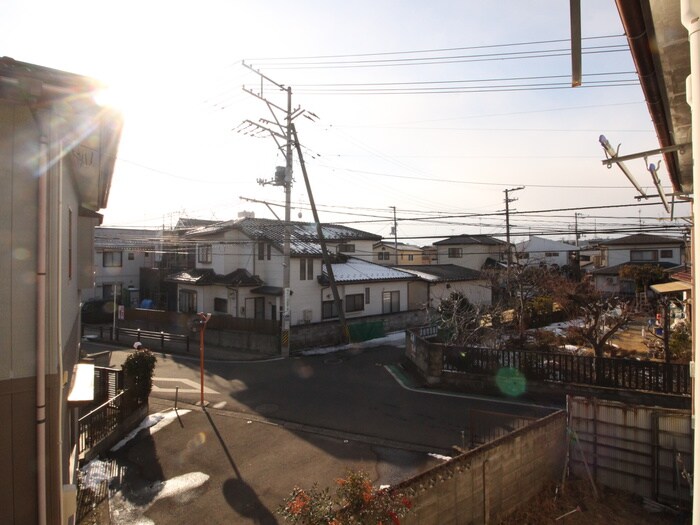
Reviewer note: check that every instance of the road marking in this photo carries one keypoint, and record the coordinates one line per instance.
(192, 386)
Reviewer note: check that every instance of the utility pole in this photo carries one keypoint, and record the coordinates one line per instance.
(508, 201)
(281, 132)
(396, 238)
(576, 234)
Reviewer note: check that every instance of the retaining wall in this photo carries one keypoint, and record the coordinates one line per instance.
(488, 483)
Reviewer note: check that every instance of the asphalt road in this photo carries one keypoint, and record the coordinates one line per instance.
(352, 392)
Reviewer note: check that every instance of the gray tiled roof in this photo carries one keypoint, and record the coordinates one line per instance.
(303, 237)
(240, 277)
(471, 239)
(442, 272)
(643, 238)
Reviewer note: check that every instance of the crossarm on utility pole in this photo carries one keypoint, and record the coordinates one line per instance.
(322, 241)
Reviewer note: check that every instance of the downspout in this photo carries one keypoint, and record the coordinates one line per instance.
(41, 286)
(690, 16)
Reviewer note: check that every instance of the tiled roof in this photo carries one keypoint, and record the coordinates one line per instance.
(203, 277)
(643, 238)
(303, 237)
(471, 239)
(358, 270)
(441, 272)
(126, 239)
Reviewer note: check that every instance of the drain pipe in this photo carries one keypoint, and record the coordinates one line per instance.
(42, 227)
(690, 16)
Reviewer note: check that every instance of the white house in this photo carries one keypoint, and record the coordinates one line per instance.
(638, 249)
(471, 251)
(538, 250)
(239, 271)
(119, 255)
(57, 154)
(438, 281)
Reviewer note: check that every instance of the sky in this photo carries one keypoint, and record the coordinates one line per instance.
(431, 109)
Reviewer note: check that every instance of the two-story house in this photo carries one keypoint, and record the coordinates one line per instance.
(397, 254)
(539, 251)
(119, 257)
(471, 251)
(57, 155)
(239, 271)
(638, 249)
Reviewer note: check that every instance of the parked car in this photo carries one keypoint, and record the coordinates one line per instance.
(97, 311)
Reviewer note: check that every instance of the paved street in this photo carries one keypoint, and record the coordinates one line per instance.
(278, 423)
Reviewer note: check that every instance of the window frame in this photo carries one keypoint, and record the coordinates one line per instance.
(329, 305)
(455, 253)
(642, 252)
(392, 298)
(111, 255)
(204, 253)
(666, 253)
(354, 302)
(218, 303)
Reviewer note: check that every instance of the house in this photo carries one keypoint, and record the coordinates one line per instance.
(471, 251)
(239, 271)
(638, 249)
(438, 281)
(57, 155)
(538, 251)
(396, 253)
(119, 256)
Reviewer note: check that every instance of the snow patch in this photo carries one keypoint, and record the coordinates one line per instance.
(153, 422)
(393, 339)
(439, 456)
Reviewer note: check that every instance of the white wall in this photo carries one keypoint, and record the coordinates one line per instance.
(473, 255)
(621, 254)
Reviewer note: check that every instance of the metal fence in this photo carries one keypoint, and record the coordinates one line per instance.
(643, 450)
(99, 423)
(612, 372)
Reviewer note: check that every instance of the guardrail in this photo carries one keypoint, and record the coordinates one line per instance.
(163, 337)
(99, 423)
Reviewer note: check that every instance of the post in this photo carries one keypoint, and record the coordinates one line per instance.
(203, 319)
(286, 314)
(396, 238)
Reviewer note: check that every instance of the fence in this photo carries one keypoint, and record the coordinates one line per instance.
(611, 372)
(100, 422)
(643, 450)
(163, 337)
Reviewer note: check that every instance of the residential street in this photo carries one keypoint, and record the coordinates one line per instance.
(275, 424)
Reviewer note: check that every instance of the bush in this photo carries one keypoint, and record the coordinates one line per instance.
(139, 368)
(679, 343)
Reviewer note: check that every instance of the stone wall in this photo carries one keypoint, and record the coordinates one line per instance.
(488, 483)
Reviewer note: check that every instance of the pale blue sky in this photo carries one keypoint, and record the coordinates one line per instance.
(175, 69)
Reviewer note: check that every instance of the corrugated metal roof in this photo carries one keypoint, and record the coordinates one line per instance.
(359, 270)
(441, 272)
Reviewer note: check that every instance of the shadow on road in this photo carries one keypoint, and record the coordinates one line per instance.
(238, 494)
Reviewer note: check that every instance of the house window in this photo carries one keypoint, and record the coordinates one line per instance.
(306, 269)
(454, 253)
(355, 302)
(384, 256)
(220, 305)
(366, 295)
(390, 302)
(130, 256)
(644, 255)
(350, 248)
(328, 310)
(666, 254)
(259, 308)
(264, 247)
(410, 257)
(187, 300)
(551, 254)
(204, 253)
(111, 259)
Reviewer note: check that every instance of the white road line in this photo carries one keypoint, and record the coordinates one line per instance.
(192, 387)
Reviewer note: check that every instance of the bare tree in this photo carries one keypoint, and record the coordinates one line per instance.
(601, 316)
(465, 323)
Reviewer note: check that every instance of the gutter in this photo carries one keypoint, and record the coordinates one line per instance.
(638, 37)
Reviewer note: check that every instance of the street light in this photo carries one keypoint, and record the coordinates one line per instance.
(203, 320)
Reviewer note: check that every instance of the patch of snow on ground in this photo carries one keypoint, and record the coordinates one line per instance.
(393, 339)
(439, 456)
(94, 474)
(125, 511)
(153, 422)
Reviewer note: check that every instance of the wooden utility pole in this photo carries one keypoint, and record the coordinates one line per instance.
(396, 237)
(322, 241)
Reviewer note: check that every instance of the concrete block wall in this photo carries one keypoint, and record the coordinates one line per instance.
(488, 483)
